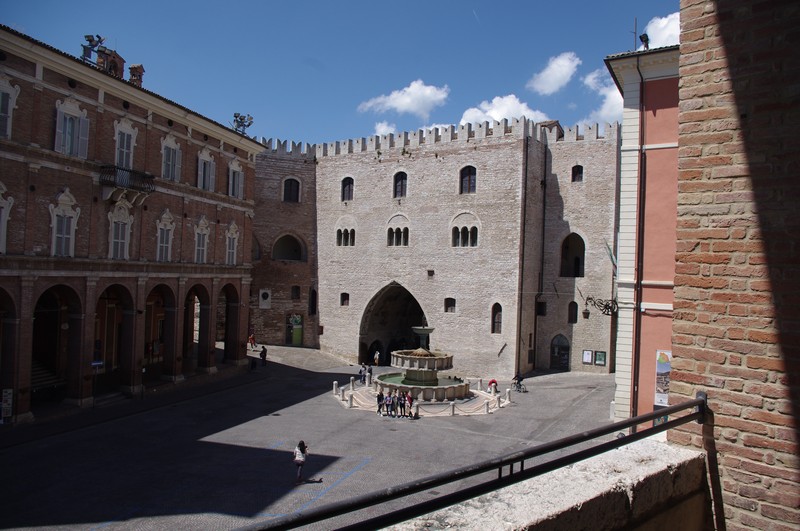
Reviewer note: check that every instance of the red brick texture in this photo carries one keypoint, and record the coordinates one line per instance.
(737, 287)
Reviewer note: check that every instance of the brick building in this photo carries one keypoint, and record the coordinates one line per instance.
(125, 230)
(737, 287)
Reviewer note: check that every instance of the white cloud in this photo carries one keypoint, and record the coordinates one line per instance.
(385, 128)
(610, 109)
(556, 74)
(501, 107)
(663, 31)
(418, 99)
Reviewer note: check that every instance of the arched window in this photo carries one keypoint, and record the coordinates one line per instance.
(256, 251)
(288, 248)
(572, 256)
(450, 305)
(468, 180)
(473, 237)
(497, 318)
(344, 299)
(291, 191)
(577, 173)
(456, 237)
(572, 312)
(465, 237)
(400, 184)
(347, 189)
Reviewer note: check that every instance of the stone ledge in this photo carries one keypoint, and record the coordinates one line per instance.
(634, 486)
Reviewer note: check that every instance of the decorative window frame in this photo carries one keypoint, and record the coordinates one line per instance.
(120, 214)
(65, 206)
(5, 211)
(235, 179)
(171, 170)
(465, 228)
(201, 229)
(124, 127)
(231, 244)
(167, 223)
(206, 160)
(80, 144)
(6, 119)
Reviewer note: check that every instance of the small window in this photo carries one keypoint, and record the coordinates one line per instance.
(541, 308)
(120, 221)
(201, 232)
(72, 130)
(347, 189)
(497, 318)
(8, 102)
(344, 299)
(577, 173)
(291, 191)
(206, 170)
(295, 292)
(400, 183)
(450, 305)
(231, 244)
(312, 302)
(468, 180)
(572, 256)
(397, 237)
(235, 180)
(166, 227)
(572, 313)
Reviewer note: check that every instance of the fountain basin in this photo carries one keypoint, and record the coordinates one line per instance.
(445, 389)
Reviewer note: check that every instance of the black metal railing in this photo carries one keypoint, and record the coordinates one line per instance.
(126, 178)
(500, 464)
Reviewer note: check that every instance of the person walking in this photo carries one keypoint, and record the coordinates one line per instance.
(263, 355)
(377, 357)
(401, 404)
(409, 403)
(380, 403)
(252, 341)
(300, 454)
(362, 372)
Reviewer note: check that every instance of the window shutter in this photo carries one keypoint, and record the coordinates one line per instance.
(213, 175)
(4, 113)
(58, 146)
(83, 139)
(240, 192)
(199, 172)
(178, 158)
(231, 182)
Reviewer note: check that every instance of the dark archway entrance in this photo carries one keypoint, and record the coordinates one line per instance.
(113, 341)
(159, 334)
(196, 322)
(56, 344)
(387, 320)
(559, 353)
(227, 323)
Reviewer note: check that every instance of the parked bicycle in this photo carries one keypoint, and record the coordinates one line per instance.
(518, 386)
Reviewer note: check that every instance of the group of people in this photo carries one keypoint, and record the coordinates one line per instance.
(395, 404)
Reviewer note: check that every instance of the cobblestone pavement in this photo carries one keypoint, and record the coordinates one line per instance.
(218, 455)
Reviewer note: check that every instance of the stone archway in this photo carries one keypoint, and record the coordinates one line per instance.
(227, 323)
(113, 365)
(197, 317)
(159, 334)
(387, 320)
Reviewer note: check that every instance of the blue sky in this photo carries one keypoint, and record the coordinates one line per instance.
(321, 71)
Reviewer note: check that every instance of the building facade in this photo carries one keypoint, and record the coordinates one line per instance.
(494, 235)
(125, 231)
(648, 81)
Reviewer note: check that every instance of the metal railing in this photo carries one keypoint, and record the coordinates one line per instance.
(126, 178)
(505, 467)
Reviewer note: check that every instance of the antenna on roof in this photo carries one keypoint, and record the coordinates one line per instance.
(94, 41)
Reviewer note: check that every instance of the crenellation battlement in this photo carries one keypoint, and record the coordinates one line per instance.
(293, 149)
(548, 132)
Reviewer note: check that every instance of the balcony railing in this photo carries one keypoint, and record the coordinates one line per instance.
(128, 179)
(505, 467)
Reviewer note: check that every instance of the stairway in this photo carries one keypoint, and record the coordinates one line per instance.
(44, 378)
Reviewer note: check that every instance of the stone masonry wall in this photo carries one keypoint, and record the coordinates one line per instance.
(737, 286)
(477, 277)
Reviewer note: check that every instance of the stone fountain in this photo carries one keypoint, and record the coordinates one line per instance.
(420, 372)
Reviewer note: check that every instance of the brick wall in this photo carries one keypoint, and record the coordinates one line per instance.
(735, 331)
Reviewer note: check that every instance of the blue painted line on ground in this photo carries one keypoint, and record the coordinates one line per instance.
(276, 445)
(324, 491)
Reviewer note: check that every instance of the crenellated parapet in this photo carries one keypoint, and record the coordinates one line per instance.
(546, 132)
(293, 149)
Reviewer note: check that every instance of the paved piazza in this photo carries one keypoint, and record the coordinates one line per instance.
(219, 455)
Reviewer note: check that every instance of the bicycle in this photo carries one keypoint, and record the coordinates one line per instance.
(519, 387)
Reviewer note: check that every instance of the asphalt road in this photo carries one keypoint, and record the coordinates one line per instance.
(218, 456)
